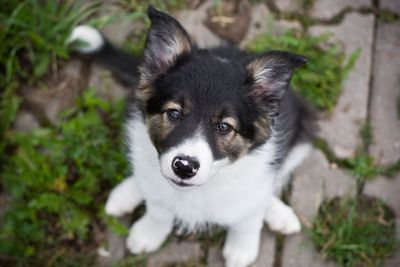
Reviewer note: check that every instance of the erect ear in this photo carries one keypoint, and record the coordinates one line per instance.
(268, 77)
(167, 40)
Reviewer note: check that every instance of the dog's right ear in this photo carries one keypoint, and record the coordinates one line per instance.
(166, 41)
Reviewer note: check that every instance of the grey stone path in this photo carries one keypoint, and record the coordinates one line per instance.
(369, 94)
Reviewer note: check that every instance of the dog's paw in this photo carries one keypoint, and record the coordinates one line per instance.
(239, 254)
(283, 220)
(124, 198)
(145, 237)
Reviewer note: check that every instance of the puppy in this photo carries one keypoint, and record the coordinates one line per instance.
(212, 135)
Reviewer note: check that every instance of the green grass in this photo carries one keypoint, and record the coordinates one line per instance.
(58, 179)
(33, 35)
(32, 38)
(388, 16)
(320, 80)
(354, 233)
(59, 176)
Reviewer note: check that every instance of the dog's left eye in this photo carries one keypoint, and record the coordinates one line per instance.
(224, 128)
(174, 114)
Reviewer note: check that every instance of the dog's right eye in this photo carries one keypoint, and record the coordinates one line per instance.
(174, 114)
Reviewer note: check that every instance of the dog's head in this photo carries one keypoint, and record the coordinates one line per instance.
(204, 111)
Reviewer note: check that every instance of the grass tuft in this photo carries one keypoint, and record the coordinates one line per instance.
(33, 35)
(354, 233)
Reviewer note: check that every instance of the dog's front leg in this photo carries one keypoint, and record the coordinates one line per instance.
(281, 218)
(150, 231)
(124, 198)
(242, 243)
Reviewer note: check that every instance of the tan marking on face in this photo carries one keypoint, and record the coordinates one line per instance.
(172, 105)
(160, 125)
(233, 145)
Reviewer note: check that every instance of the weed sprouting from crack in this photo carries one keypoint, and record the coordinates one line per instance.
(354, 232)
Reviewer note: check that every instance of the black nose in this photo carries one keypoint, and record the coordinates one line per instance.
(185, 167)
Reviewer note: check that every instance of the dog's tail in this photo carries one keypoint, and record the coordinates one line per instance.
(90, 42)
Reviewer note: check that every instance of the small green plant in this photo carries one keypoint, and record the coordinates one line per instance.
(58, 179)
(320, 80)
(388, 16)
(354, 232)
(33, 35)
(32, 38)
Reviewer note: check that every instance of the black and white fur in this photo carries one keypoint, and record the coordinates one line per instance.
(212, 135)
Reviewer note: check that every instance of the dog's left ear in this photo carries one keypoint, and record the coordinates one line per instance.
(268, 77)
(167, 40)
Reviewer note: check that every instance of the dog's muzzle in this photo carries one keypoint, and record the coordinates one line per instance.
(185, 167)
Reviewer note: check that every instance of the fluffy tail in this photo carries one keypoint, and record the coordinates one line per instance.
(89, 41)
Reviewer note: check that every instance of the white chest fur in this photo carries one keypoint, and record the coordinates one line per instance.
(237, 191)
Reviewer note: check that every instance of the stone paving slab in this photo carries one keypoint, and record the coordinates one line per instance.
(266, 256)
(289, 5)
(25, 122)
(105, 86)
(385, 93)
(259, 24)
(192, 20)
(60, 93)
(214, 257)
(299, 251)
(326, 9)
(393, 5)
(341, 128)
(176, 253)
(314, 181)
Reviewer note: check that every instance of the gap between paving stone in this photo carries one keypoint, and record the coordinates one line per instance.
(383, 115)
(385, 93)
(326, 9)
(314, 181)
(341, 127)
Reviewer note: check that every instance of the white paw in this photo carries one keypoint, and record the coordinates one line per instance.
(283, 220)
(124, 198)
(145, 237)
(239, 255)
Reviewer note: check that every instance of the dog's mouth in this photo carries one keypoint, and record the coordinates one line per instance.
(181, 183)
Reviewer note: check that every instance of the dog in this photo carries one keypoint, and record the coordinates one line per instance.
(212, 134)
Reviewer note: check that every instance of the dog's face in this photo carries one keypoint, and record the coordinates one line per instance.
(202, 111)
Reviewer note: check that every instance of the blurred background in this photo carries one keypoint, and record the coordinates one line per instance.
(61, 148)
